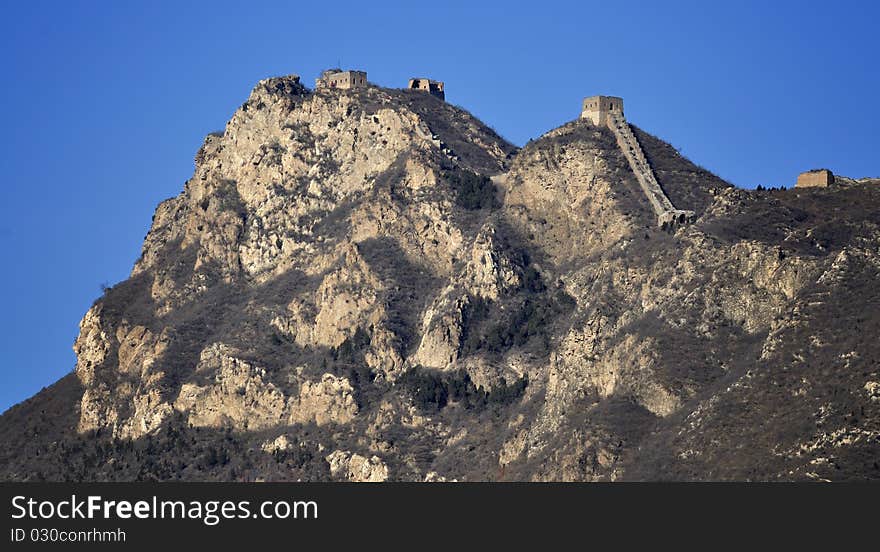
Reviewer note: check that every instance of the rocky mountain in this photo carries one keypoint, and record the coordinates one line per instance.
(372, 285)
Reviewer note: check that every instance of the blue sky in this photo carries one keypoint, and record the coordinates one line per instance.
(106, 103)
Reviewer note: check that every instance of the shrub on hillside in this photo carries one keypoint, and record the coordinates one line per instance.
(472, 191)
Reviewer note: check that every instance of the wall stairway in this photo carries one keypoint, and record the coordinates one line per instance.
(667, 214)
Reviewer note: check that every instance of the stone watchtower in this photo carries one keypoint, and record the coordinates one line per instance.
(345, 80)
(607, 111)
(816, 178)
(598, 108)
(432, 87)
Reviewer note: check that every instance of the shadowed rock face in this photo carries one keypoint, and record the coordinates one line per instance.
(372, 285)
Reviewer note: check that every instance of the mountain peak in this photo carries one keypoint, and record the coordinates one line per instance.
(359, 275)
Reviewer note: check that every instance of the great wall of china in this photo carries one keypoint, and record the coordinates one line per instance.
(608, 111)
(601, 110)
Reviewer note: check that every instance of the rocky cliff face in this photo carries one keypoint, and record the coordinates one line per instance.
(372, 285)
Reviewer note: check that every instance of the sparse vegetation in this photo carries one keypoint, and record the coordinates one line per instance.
(472, 191)
(761, 188)
(530, 320)
(227, 197)
(431, 391)
(350, 363)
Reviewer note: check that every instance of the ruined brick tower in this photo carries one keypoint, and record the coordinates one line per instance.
(345, 80)
(816, 178)
(435, 88)
(597, 108)
(608, 111)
